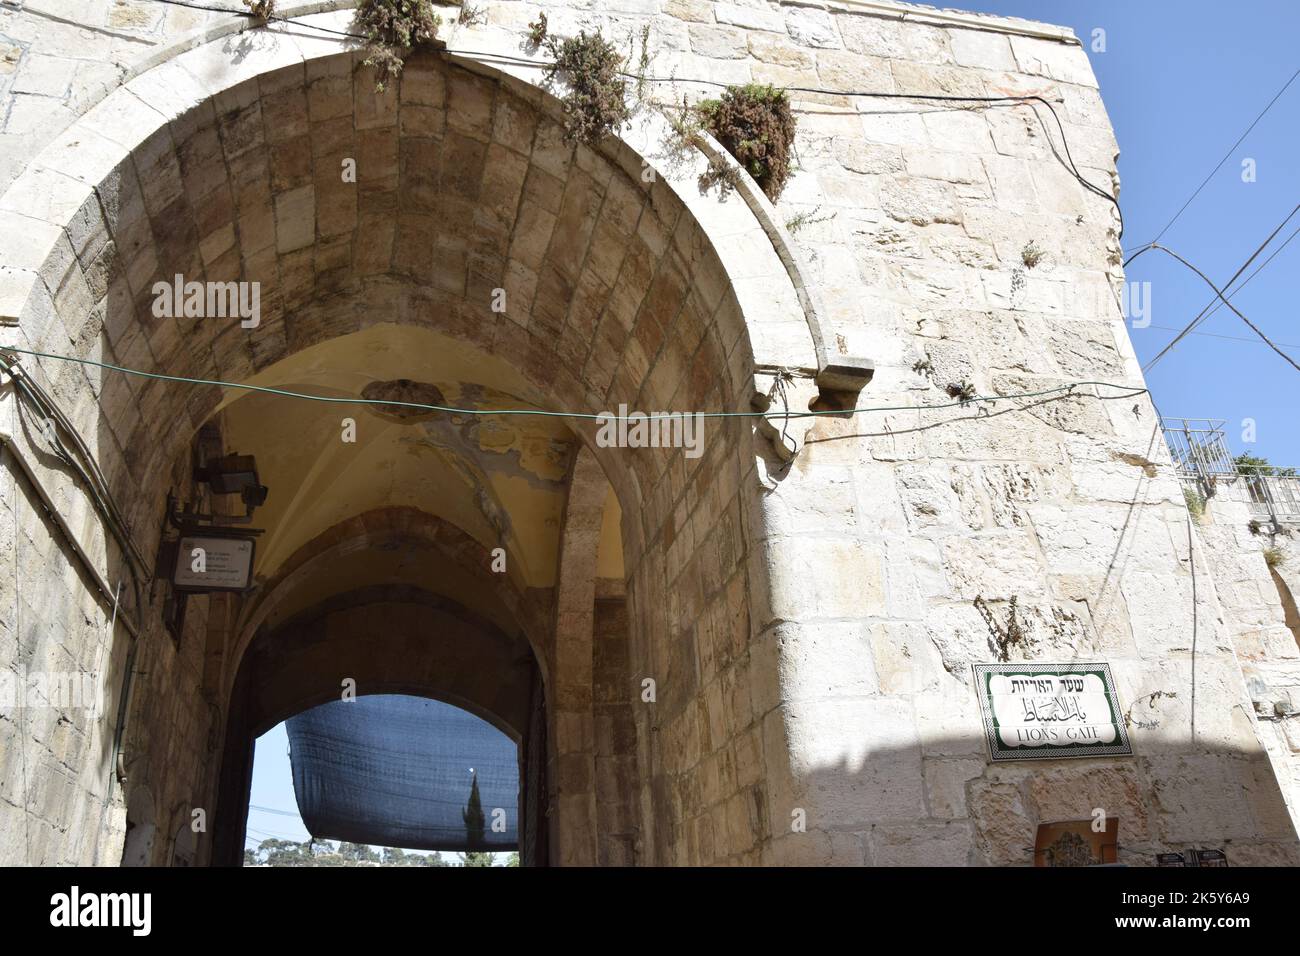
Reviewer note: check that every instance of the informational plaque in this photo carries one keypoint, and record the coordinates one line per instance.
(210, 563)
(1050, 711)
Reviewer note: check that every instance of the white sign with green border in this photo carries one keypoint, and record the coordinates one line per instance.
(1050, 711)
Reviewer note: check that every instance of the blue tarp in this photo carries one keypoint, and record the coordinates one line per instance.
(392, 770)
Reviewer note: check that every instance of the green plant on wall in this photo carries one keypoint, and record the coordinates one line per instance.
(471, 16)
(755, 124)
(537, 31)
(392, 29)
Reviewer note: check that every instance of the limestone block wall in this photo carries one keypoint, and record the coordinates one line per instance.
(56, 767)
(1256, 569)
(67, 774)
(810, 623)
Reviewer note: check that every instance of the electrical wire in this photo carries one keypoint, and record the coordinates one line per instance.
(543, 64)
(1216, 335)
(1213, 302)
(1069, 388)
(1245, 282)
(85, 466)
(1253, 327)
(92, 474)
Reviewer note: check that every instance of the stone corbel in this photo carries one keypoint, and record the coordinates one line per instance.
(836, 385)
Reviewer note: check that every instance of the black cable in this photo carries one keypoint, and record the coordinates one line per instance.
(1245, 282)
(1254, 328)
(1245, 265)
(29, 389)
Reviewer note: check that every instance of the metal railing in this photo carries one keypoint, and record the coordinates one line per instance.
(1274, 496)
(1200, 452)
(1199, 446)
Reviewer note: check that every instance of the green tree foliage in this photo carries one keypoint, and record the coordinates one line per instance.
(1248, 464)
(358, 853)
(475, 824)
(274, 852)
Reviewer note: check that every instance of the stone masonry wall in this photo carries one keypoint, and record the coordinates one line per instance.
(1259, 602)
(828, 676)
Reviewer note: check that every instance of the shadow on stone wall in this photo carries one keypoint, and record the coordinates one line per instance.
(944, 804)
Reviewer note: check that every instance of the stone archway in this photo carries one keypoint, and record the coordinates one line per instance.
(392, 639)
(623, 291)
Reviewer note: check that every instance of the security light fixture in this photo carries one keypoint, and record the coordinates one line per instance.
(234, 474)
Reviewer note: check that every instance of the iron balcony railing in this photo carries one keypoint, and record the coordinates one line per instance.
(1274, 496)
(1198, 447)
(1200, 452)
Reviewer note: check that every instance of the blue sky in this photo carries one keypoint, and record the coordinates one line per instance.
(1181, 82)
(273, 791)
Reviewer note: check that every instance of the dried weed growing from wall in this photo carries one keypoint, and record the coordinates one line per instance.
(393, 28)
(262, 9)
(756, 125)
(595, 104)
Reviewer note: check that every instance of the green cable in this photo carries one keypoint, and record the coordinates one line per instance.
(583, 415)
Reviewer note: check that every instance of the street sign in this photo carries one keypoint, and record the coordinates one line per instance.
(1050, 711)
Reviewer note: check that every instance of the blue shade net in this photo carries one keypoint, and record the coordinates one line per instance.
(392, 770)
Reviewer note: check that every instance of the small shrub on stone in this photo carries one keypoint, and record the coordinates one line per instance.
(1151, 699)
(262, 9)
(642, 68)
(471, 15)
(537, 31)
(962, 391)
(807, 218)
(1274, 557)
(756, 125)
(1032, 254)
(722, 174)
(393, 28)
(595, 104)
